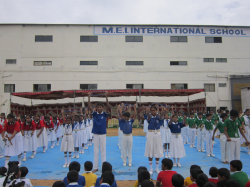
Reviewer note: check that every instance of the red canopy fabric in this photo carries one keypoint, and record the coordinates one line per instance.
(61, 94)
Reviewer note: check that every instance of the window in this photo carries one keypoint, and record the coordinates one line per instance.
(178, 38)
(9, 88)
(209, 109)
(208, 59)
(10, 61)
(179, 86)
(88, 38)
(209, 87)
(43, 38)
(178, 63)
(213, 39)
(134, 63)
(134, 86)
(222, 84)
(41, 87)
(88, 86)
(88, 63)
(42, 63)
(221, 59)
(134, 38)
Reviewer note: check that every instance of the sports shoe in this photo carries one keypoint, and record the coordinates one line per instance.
(77, 156)
(199, 150)
(129, 164)
(1, 156)
(248, 153)
(19, 164)
(24, 159)
(57, 143)
(124, 164)
(65, 165)
(208, 155)
(35, 153)
(212, 155)
(166, 156)
(74, 156)
(82, 152)
(157, 171)
(32, 156)
(44, 151)
(178, 165)
(203, 150)
(193, 146)
(174, 165)
(169, 156)
(51, 147)
(151, 172)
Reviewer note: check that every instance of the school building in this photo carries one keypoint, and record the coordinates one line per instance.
(48, 57)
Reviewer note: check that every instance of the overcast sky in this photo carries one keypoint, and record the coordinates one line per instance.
(205, 12)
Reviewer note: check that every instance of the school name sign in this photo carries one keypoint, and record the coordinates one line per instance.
(170, 31)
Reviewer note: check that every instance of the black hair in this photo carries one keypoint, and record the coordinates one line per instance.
(232, 183)
(201, 180)
(208, 115)
(227, 111)
(195, 172)
(237, 164)
(106, 166)
(223, 115)
(153, 107)
(72, 176)
(70, 118)
(143, 175)
(59, 184)
(234, 113)
(108, 177)
(213, 172)
(3, 113)
(166, 162)
(174, 116)
(141, 168)
(224, 172)
(75, 166)
(191, 113)
(209, 184)
(10, 115)
(3, 171)
(49, 113)
(200, 113)
(37, 115)
(194, 167)
(177, 180)
(46, 117)
(126, 114)
(88, 166)
(246, 110)
(147, 183)
(13, 170)
(22, 116)
(54, 118)
(29, 115)
(24, 171)
(17, 184)
(99, 104)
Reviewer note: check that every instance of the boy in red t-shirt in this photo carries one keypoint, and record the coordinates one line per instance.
(193, 175)
(165, 176)
(213, 173)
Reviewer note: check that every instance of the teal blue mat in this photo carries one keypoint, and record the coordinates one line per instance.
(49, 165)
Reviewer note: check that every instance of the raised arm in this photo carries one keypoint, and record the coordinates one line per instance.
(107, 101)
(117, 111)
(89, 104)
(135, 115)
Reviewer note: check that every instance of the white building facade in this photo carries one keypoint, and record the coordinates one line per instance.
(44, 57)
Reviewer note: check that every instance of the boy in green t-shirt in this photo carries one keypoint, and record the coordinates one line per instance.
(209, 134)
(204, 116)
(192, 129)
(236, 173)
(231, 130)
(223, 139)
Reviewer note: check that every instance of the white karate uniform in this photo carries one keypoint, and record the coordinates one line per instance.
(233, 149)
(185, 134)
(165, 132)
(223, 148)
(77, 136)
(99, 141)
(201, 134)
(67, 144)
(83, 132)
(247, 128)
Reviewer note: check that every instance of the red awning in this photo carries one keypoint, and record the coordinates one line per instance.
(61, 94)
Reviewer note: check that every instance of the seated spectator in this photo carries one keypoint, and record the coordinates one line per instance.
(72, 178)
(213, 173)
(193, 175)
(58, 184)
(223, 176)
(147, 183)
(209, 184)
(201, 180)
(75, 166)
(106, 166)
(107, 179)
(12, 176)
(141, 168)
(143, 175)
(188, 181)
(232, 183)
(236, 173)
(90, 178)
(3, 172)
(24, 172)
(248, 184)
(177, 180)
(165, 176)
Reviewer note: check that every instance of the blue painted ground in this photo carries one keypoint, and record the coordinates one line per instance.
(49, 165)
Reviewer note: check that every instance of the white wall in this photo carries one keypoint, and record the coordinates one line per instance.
(66, 51)
(245, 98)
